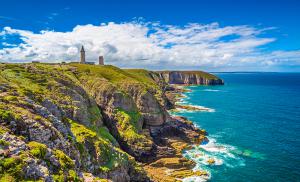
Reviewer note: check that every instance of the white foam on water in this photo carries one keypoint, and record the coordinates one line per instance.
(196, 179)
(221, 154)
(201, 108)
(212, 146)
(211, 90)
(204, 108)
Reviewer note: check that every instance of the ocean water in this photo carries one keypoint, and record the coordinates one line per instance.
(253, 123)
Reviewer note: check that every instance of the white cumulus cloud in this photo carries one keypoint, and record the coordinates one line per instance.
(152, 45)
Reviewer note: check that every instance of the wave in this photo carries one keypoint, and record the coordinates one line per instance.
(204, 108)
(212, 154)
(196, 179)
(199, 108)
(211, 90)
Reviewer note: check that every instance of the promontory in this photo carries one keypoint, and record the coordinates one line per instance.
(79, 122)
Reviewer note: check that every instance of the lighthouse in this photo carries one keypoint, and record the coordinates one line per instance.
(82, 55)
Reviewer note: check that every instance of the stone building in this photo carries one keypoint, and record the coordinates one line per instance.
(101, 60)
(82, 55)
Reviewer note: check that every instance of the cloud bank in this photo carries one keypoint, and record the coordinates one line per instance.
(152, 45)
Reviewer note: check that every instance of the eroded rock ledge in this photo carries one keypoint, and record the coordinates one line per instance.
(190, 78)
(73, 122)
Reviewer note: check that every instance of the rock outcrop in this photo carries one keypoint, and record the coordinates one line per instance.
(75, 122)
(190, 78)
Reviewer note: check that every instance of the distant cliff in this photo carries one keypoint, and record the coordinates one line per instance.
(190, 78)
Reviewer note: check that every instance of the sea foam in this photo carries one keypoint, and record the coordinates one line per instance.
(211, 90)
(221, 154)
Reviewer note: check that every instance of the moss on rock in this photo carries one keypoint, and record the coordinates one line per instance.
(37, 149)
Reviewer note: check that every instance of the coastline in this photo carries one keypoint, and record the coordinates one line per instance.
(177, 167)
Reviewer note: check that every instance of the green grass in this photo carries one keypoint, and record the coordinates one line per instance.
(65, 161)
(12, 166)
(7, 178)
(103, 132)
(72, 176)
(37, 149)
(4, 143)
(3, 129)
(6, 115)
(81, 132)
(110, 157)
(128, 126)
(94, 114)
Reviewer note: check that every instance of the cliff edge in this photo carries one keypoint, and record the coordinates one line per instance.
(190, 78)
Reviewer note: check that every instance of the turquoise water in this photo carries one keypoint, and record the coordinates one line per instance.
(253, 126)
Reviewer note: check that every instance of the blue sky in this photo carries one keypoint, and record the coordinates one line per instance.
(274, 28)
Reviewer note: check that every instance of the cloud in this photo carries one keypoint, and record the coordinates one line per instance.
(153, 45)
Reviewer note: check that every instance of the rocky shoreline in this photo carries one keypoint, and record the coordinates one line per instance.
(74, 122)
(175, 167)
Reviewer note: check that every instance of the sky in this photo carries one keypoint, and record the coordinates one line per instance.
(210, 35)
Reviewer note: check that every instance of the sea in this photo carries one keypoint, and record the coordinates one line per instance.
(253, 125)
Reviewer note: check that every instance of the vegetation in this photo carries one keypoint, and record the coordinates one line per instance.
(37, 149)
(5, 115)
(65, 161)
(128, 126)
(110, 156)
(4, 143)
(11, 168)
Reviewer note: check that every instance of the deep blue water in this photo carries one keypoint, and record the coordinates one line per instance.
(254, 127)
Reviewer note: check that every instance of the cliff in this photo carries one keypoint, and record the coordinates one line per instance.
(75, 122)
(190, 78)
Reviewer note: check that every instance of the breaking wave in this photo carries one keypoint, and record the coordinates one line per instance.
(211, 90)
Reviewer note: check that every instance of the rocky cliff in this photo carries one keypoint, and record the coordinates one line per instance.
(74, 122)
(190, 78)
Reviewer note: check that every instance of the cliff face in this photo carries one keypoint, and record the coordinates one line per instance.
(53, 130)
(77, 122)
(190, 78)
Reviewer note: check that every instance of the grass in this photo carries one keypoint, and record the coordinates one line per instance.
(110, 157)
(129, 129)
(4, 143)
(94, 114)
(72, 176)
(37, 149)
(5, 115)
(65, 161)
(11, 167)
(81, 132)
(103, 132)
